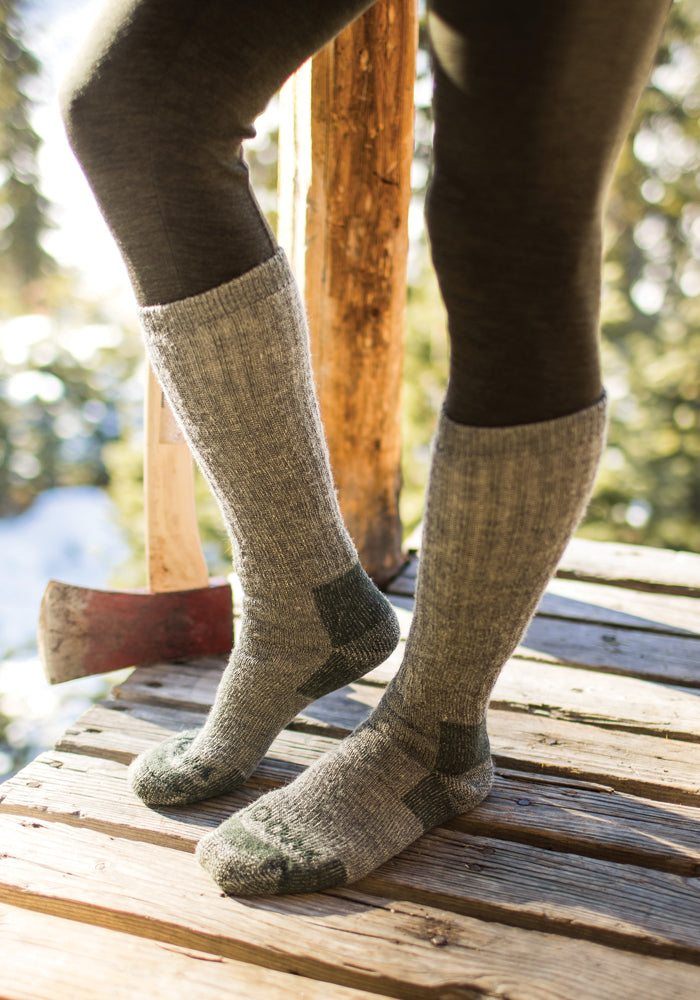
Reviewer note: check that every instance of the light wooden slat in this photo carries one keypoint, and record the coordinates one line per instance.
(609, 605)
(386, 946)
(120, 731)
(587, 636)
(610, 649)
(581, 600)
(565, 816)
(637, 567)
(49, 958)
(633, 908)
(589, 819)
(620, 703)
(662, 769)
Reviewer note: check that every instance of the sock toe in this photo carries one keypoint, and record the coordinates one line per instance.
(164, 776)
(246, 865)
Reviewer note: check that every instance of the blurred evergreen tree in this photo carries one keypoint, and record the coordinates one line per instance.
(23, 209)
(65, 369)
(649, 487)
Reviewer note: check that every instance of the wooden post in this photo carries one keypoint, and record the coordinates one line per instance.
(357, 246)
(355, 267)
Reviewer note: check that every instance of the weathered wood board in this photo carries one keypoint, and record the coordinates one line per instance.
(353, 939)
(560, 814)
(524, 685)
(634, 567)
(663, 769)
(49, 958)
(578, 877)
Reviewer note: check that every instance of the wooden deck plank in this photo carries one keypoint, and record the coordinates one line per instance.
(599, 602)
(672, 659)
(661, 769)
(561, 692)
(564, 816)
(567, 875)
(41, 953)
(635, 567)
(380, 945)
(589, 601)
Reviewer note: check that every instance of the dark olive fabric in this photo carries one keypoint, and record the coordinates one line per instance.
(532, 102)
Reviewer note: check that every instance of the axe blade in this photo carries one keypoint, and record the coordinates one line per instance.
(84, 631)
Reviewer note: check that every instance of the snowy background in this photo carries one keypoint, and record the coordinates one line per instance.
(68, 534)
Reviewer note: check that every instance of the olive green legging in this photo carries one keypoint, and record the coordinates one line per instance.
(532, 102)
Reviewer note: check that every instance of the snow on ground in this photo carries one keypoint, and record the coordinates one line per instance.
(68, 534)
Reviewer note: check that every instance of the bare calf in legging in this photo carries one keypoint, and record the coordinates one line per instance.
(532, 103)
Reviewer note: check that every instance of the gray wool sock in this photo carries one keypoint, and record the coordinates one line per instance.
(234, 364)
(502, 505)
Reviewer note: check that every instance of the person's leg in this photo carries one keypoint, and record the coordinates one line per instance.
(519, 441)
(543, 93)
(157, 105)
(156, 109)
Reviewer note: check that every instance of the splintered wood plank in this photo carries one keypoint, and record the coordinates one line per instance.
(656, 768)
(544, 811)
(609, 605)
(41, 954)
(635, 908)
(663, 769)
(622, 703)
(120, 731)
(636, 567)
(391, 947)
(588, 819)
(671, 658)
(625, 703)
(582, 600)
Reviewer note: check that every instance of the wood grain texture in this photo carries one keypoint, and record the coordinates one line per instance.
(583, 600)
(387, 946)
(41, 955)
(536, 687)
(660, 769)
(563, 815)
(637, 567)
(174, 557)
(357, 246)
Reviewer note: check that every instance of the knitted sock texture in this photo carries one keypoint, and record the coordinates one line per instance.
(502, 504)
(235, 367)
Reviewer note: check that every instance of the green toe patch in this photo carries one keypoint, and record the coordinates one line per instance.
(263, 870)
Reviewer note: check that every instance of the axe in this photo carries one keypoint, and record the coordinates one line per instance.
(180, 614)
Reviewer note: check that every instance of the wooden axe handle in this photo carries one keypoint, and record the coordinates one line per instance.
(174, 557)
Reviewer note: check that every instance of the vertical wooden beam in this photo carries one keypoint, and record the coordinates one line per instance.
(357, 245)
